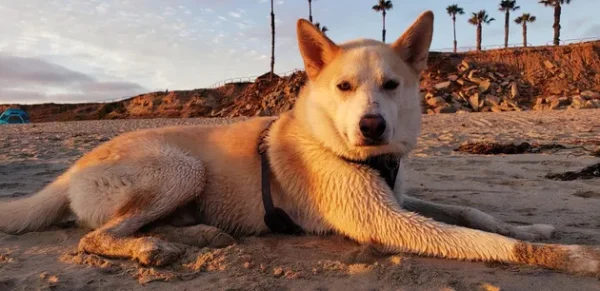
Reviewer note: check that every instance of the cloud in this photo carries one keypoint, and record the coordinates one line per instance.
(33, 80)
(235, 14)
(97, 41)
(19, 70)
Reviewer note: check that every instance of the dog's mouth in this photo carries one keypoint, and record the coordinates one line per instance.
(364, 141)
(368, 142)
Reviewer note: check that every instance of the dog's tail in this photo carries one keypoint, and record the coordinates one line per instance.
(42, 209)
(373, 217)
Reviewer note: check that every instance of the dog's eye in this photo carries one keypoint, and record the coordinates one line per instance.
(390, 85)
(344, 86)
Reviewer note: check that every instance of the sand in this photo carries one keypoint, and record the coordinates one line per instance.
(510, 187)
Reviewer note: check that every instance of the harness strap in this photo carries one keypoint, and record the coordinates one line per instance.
(276, 219)
(387, 165)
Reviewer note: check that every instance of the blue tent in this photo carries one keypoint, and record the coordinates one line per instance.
(12, 116)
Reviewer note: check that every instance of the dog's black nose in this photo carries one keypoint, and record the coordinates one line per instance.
(372, 126)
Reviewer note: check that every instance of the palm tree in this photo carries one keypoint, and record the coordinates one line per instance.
(507, 6)
(310, 11)
(323, 29)
(454, 10)
(478, 19)
(557, 4)
(523, 20)
(272, 42)
(383, 6)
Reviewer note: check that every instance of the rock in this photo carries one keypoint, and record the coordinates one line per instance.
(474, 101)
(577, 102)
(465, 65)
(457, 105)
(589, 104)
(496, 109)
(470, 88)
(445, 109)
(514, 90)
(474, 79)
(553, 102)
(540, 104)
(491, 100)
(484, 86)
(549, 65)
(590, 94)
(471, 74)
(442, 85)
(511, 103)
(436, 102)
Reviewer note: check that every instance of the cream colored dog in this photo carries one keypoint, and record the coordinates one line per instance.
(361, 100)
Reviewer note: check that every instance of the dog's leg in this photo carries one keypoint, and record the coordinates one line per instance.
(114, 240)
(198, 235)
(366, 211)
(474, 218)
(144, 192)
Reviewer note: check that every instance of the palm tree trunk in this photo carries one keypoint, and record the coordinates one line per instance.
(272, 41)
(557, 11)
(524, 34)
(310, 11)
(454, 28)
(478, 37)
(506, 26)
(383, 31)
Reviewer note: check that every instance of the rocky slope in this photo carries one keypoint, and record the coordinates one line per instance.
(536, 78)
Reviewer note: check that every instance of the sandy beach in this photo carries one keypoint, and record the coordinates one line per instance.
(510, 187)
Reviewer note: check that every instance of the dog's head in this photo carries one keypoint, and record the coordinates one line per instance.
(362, 97)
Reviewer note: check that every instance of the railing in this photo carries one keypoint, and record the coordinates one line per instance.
(248, 79)
(514, 45)
(458, 49)
(111, 100)
(574, 41)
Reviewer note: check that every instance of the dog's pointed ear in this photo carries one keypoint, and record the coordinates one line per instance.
(413, 45)
(317, 50)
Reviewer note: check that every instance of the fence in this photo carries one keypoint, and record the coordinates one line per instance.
(459, 49)
(514, 45)
(212, 86)
(111, 100)
(248, 79)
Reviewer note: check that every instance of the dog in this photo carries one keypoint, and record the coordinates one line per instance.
(333, 163)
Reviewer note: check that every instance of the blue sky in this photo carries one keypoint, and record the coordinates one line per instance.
(82, 50)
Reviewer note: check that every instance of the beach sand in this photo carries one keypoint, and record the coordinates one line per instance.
(511, 187)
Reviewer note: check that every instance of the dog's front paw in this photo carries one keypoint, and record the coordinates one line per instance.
(584, 260)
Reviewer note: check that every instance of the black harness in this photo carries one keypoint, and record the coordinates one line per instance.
(276, 219)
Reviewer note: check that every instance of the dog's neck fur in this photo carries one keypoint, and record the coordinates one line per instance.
(276, 219)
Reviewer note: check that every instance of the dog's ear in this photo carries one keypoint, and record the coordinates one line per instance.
(413, 45)
(316, 49)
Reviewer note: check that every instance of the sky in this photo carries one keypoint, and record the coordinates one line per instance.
(69, 51)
